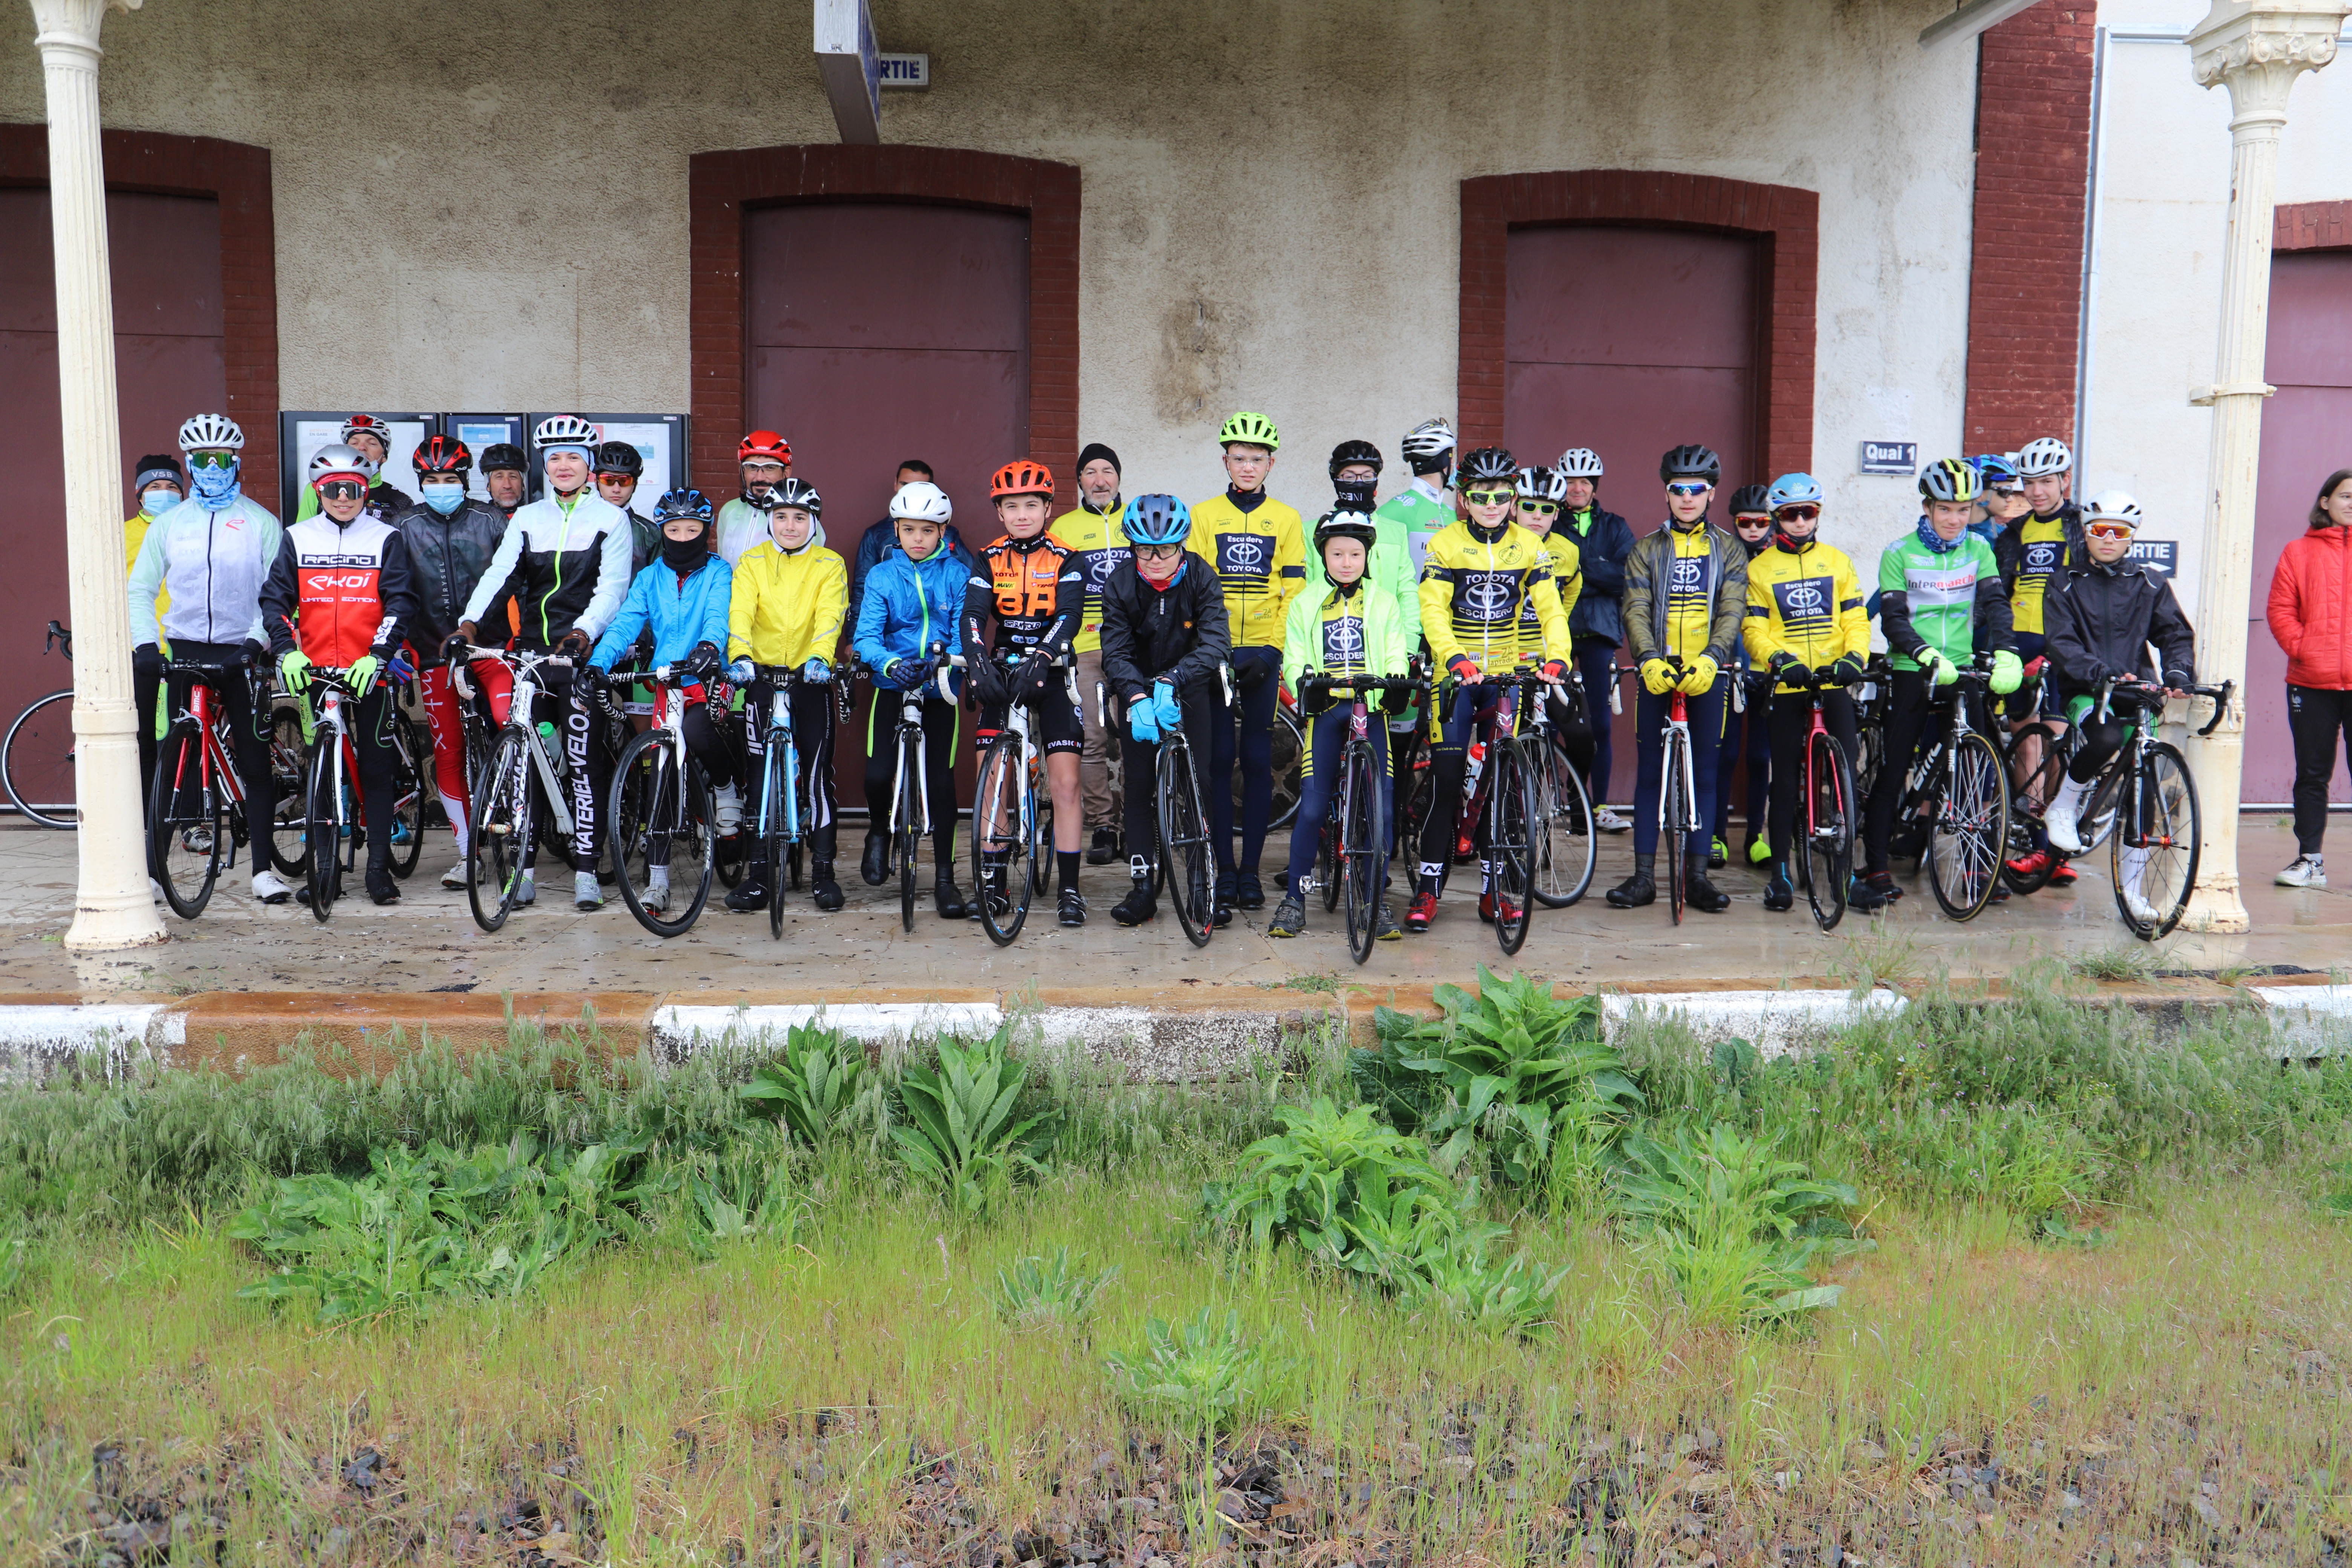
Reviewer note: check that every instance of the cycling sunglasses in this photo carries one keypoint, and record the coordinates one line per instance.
(1489, 498)
(340, 490)
(1159, 552)
(1689, 488)
(2106, 531)
(1746, 519)
(212, 459)
(1540, 508)
(1805, 512)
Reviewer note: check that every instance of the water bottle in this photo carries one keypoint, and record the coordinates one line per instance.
(547, 731)
(1478, 767)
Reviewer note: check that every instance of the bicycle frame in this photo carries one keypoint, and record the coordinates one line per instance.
(211, 756)
(521, 704)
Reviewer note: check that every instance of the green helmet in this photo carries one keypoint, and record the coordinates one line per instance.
(1253, 428)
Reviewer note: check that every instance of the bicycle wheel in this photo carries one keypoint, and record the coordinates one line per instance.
(1511, 820)
(1328, 852)
(408, 796)
(1185, 843)
(502, 829)
(1420, 800)
(1874, 758)
(1004, 840)
(187, 822)
(1565, 846)
(1829, 824)
(1969, 835)
(777, 771)
(2157, 841)
(2035, 762)
(1674, 790)
(661, 822)
(1365, 834)
(323, 795)
(36, 761)
(906, 828)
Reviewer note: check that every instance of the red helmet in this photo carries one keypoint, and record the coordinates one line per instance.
(443, 455)
(764, 446)
(1022, 477)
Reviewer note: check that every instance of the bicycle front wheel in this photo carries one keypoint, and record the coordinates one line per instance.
(290, 843)
(1185, 843)
(1829, 825)
(2158, 837)
(500, 842)
(36, 761)
(1364, 857)
(187, 825)
(411, 759)
(323, 797)
(1005, 840)
(1674, 796)
(1511, 828)
(1969, 833)
(1565, 846)
(776, 778)
(906, 828)
(663, 844)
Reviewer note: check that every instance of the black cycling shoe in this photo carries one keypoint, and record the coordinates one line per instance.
(1872, 891)
(1385, 927)
(382, 887)
(1247, 892)
(823, 889)
(1638, 891)
(1289, 917)
(874, 864)
(752, 896)
(948, 899)
(1104, 849)
(1138, 906)
(1698, 892)
(1074, 907)
(1223, 890)
(1779, 895)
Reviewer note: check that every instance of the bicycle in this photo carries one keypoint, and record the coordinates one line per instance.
(1959, 788)
(36, 759)
(1182, 818)
(1871, 699)
(1011, 817)
(1352, 860)
(1828, 808)
(911, 800)
(196, 804)
(521, 786)
(2034, 757)
(1500, 800)
(781, 823)
(1677, 783)
(1565, 846)
(658, 804)
(330, 844)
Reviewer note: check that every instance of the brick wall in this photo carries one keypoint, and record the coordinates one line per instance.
(2025, 286)
(2312, 225)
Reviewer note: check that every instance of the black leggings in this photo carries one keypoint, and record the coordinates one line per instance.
(248, 742)
(2316, 716)
(1138, 762)
(813, 716)
(1792, 724)
(1910, 709)
(939, 768)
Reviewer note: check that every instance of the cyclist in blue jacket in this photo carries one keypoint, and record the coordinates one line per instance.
(912, 598)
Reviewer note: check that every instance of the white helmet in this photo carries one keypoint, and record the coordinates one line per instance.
(923, 501)
(210, 433)
(1543, 484)
(2114, 506)
(1430, 438)
(2036, 459)
(1579, 463)
(563, 430)
(338, 459)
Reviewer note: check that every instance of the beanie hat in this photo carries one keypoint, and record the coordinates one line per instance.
(157, 465)
(1094, 450)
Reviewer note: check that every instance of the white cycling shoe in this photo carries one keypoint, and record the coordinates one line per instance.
(2058, 821)
(2308, 871)
(586, 892)
(269, 888)
(728, 808)
(1608, 821)
(453, 879)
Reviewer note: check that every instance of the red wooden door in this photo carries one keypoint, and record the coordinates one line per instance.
(168, 364)
(2307, 435)
(1631, 340)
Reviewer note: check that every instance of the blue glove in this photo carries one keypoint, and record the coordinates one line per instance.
(815, 670)
(399, 672)
(1166, 714)
(740, 672)
(1143, 721)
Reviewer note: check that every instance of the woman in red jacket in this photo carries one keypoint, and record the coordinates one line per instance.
(2311, 615)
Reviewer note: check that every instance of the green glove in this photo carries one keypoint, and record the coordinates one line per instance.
(294, 669)
(1942, 671)
(2008, 673)
(362, 674)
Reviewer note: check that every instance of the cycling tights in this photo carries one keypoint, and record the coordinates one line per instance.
(1257, 682)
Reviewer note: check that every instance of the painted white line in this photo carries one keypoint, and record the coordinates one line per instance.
(34, 1039)
(680, 1030)
(1775, 1022)
(2319, 1018)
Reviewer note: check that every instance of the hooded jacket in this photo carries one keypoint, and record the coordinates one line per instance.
(1178, 634)
(881, 540)
(909, 605)
(1603, 542)
(214, 563)
(682, 609)
(2311, 608)
(1720, 580)
(447, 555)
(788, 605)
(1358, 632)
(2099, 620)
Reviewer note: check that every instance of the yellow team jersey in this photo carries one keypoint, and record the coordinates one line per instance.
(134, 534)
(786, 609)
(1568, 574)
(1808, 605)
(1097, 543)
(1690, 608)
(1471, 593)
(1261, 558)
(2044, 544)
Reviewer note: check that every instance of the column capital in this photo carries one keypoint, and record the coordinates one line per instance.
(2257, 48)
(73, 23)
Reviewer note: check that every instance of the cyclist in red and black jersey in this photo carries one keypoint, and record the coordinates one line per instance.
(1034, 589)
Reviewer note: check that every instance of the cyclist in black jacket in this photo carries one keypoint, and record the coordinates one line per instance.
(1596, 626)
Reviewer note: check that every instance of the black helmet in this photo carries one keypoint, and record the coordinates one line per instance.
(802, 494)
(620, 458)
(1748, 498)
(1691, 462)
(504, 457)
(1487, 463)
(1352, 525)
(1348, 452)
(681, 504)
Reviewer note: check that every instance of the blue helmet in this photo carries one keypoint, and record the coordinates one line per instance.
(1996, 470)
(1793, 489)
(1155, 520)
(683, 503)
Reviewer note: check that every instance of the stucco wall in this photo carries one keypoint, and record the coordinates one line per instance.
(477, 209)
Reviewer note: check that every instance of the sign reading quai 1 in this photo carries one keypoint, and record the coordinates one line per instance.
(1890, 458)
(904, 70)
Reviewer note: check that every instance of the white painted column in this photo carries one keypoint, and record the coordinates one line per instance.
(112, 908)
(2256, 49)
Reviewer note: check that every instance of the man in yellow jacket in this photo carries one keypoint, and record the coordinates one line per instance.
(783, 623)
(1091, 533)
(160, 485)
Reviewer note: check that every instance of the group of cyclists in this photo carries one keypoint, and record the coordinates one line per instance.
(1478, 578)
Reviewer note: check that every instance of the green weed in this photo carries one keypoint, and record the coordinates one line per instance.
(1205, 1376)
(1054, 1291)
(960, 1137)
(813, 1087)
(1324, 1177)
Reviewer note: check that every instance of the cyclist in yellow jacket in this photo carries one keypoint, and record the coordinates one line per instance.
(1259, 548)
(1091, 531)
(160, 484)
(1805, 618)
(785, 611)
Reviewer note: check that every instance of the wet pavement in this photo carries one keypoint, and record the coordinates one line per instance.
(428, 942)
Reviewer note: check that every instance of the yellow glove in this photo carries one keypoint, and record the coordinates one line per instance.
(1657, 676)
(1938, 670)
(1702, 671)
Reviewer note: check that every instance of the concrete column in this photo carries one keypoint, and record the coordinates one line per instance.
(112, 908)
(2257, 48)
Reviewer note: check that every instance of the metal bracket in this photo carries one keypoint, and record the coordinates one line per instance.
(2204, 396)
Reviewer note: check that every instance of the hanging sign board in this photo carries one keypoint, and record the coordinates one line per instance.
(851, 68)
(1898, 458)
(2163, 554)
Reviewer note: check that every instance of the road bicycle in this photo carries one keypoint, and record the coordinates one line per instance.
(2035, 757)
(660, 809)
(1187, 869)
(518, 790)
(1353, 857)
(1829, 807)
(1567, 848)
(330, 772)
(195, 803)
(911, 800)
(1957, 791)
(1500, 800)
(780, 825)
(1012, 813)
(37, 759)
(1677, 783)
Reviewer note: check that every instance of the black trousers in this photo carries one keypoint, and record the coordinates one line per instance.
(813, 716)
(1596, 671)
(247, 740)
(1790, 723)
(1138, 764)
(2316, 716)
(939, 768)
(369, 723)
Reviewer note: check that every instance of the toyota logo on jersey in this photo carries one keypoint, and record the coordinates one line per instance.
(2042, 557)
(1689, 575)
(1805, 599)
(1343, 642)
(1489, 596)
(1100, 565)
(1243, 554)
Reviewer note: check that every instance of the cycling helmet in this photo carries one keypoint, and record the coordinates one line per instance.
(1427, 446)
(802, 494)
(1750, 498)
(1579, 463)
(504, 457)
(1950, 479)
(2113, 506)
(1022, 476)
(442, 455)
(1155, 520)
(2047, 456)
(620, 458)
(1793, 489)
(210, 433)
(563, 430)
(367, 425)
(1691, 462)
(764, 446)
(1543, 484)
(1995, 469)
(1255, 429)
(1352, 525)
(335, 462)
(1487, 463)
(922, 500)
(1350, 452)
(682, 503)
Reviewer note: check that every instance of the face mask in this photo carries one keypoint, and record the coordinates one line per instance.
(157, 501)
(1355, 495)
(217, 488)
(444, 499)
(683, 555)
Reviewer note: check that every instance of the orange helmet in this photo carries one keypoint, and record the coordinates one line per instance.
(1022, 476)
(765, 447)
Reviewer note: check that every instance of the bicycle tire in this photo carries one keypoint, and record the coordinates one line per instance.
(289, 842)
(1420, 800)
(1829, 829)
(1185, 841)
(180, 804)
(667, 812)
(2033, 762)
(38, 760)
(1969, 837)
(1874, 760)
(1328, 853)
(498, 844)
(1566, 847)
(1510, 840)
(1364, 836)
(1004, 840)
(2165, 794)
(903, 827)
(407, 799)
(778, 771)
(323, 797)
(1674, 791)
